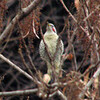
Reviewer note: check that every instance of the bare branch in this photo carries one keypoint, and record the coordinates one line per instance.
(30, 91)
(15, 67)
(81, 95)
(68, 47)
(58, 93)
(34, 30)
(97, 8)
(27, 52)
(17, 38)
(19, 92)
(84, 30)
(86, 51)
(61, 95)
(19, 16)
(23, 60)
(89, 69)
(75, 62)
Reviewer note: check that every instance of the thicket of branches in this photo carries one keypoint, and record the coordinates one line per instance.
(21, 68)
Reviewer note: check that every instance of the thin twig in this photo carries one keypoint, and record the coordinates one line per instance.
(20, 52)
(27, 51)
(89, 69)
(71, 47)
(63, 29)
(10, 32)
(23, 13)
(17, 38)
(97, 8)
(34, 30)
(68, 47)
(75, 62)
(98, 30)
(16, 67)
(81, 95)
(68, 10)
(73, 17)
(86, 51)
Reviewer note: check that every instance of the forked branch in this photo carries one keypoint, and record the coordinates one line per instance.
(25, 11)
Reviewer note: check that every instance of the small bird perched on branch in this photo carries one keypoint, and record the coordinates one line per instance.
(54, 49)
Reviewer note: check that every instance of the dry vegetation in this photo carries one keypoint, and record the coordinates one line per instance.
(22, 69)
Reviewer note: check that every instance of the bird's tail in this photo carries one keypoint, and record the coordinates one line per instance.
(57, 68)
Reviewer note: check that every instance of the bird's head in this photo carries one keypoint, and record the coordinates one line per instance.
(51, 27)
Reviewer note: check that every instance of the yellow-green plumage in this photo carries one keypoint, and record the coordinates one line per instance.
(51, 40)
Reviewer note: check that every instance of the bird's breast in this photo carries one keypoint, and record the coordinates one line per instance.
(51, 41)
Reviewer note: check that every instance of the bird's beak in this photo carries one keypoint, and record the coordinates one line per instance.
(48, 24)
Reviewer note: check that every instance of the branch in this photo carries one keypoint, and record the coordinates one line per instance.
(19, 92)
(86, 51)
(61, 95)
(30, 91)
(97, 8)
(90, 82)
(74, 18)
(28, 52)
(58, 93)
(89, 69)
(18, 17)
(25, 64)
(74, 59)
(57, 84)
(69, 45)
(15, 67)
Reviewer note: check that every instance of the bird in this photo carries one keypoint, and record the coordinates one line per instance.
(55, 49)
